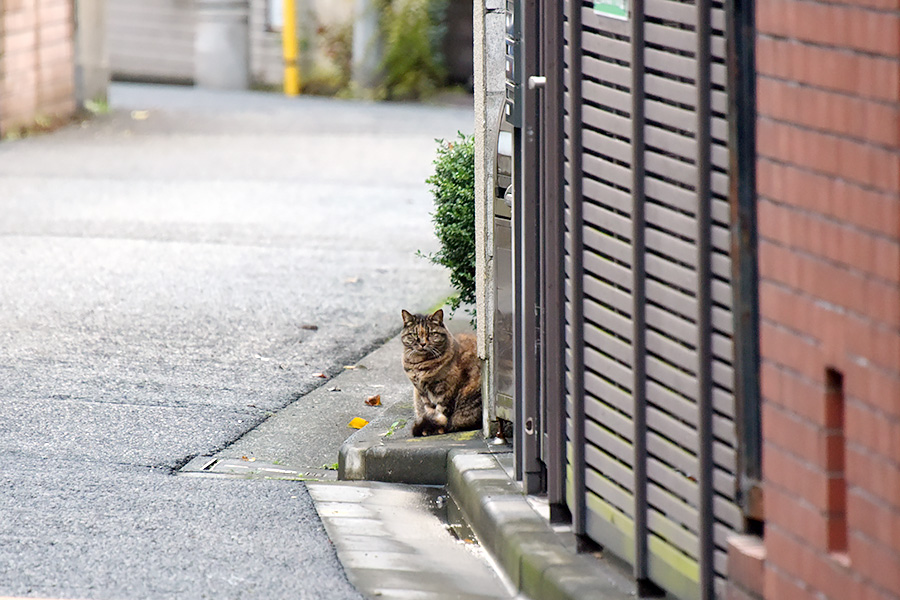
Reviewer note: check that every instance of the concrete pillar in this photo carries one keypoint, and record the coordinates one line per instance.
(489, 20)
(368, 45)
(91, 53)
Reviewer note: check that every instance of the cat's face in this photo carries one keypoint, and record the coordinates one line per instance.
(424, 336)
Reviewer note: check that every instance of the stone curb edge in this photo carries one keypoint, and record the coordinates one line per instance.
(520, 539)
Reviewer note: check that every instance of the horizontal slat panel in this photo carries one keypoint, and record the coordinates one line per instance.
(605, 71)
(672, 378)
(668, 271)
(601, 95)
(682, 66)
(724, 456)
(671, 351)
(671, 194)
(723, 375)
(671, 220)
(674, 325)
(607, 46)
(613, 395)
(608, 219)
(671, 11)
(604, 120)
(608, 295)
(723, 402)
(727, 512)
(720, 237)
(675, 404)
(606, 171)
(669, 141)
(670, 37)
(673, 430)
(724, 485)
(607, 146)
(673, 116)
(723, 347)
(599, 192)
(608, 319)
(672, 299)
(609, 345)
(610, 369)
(606, 489)
(671, 168)
(602, 269)
(607, 245)
(670, 90)
(724, 429)
(608, 422)
(672, 455)
(684, 487)
(721, 292)
(611, 469)
(670, 531)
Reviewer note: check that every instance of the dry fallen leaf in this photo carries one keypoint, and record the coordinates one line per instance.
(374, 400)
(140, 115)
(244, 458)
(320, 375)
(357, 423)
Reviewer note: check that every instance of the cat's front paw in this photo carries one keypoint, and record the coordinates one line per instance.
(423, 427)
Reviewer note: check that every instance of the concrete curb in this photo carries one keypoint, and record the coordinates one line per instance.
(531, 553)
(526, 547)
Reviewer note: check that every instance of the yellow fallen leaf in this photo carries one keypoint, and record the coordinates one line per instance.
(357, 423)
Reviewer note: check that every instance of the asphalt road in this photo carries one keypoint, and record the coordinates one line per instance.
(171, 274)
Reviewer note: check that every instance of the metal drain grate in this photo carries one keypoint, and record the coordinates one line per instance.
(252, 469)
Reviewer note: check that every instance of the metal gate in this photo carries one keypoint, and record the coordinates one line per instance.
(647, 352)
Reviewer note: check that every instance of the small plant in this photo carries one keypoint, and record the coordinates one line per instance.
(395, 426)
(453, 187)
(413, 32)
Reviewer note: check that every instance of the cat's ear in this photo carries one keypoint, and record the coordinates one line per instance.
(438, 316)
(407, 317)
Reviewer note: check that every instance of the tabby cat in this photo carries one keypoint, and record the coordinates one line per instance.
(445, 372)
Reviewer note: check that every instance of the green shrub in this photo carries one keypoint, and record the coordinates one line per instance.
(413, 32)
(453, 187)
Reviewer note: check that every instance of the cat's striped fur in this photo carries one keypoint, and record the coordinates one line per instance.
(446, 373)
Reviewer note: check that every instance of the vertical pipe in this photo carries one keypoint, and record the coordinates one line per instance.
(577, 284)
(289, 48)
(704, 301)
(638, 317)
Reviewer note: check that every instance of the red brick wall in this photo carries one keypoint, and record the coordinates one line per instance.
(828, 75)
(36, 62)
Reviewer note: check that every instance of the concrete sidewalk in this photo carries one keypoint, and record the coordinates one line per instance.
(381, 516)
(538, 559)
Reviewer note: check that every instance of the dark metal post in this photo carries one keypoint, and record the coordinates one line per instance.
(527, 265)
(704, 301)
(638, 317)
(576, 251)
(553, 300)
(741, 36)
